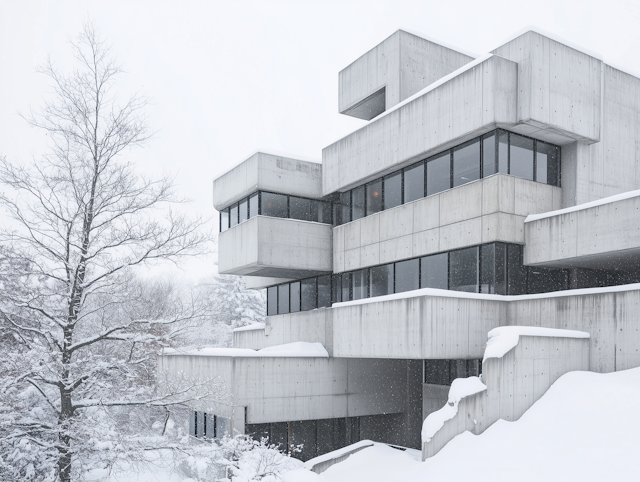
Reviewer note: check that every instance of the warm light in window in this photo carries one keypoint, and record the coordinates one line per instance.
(375, 193)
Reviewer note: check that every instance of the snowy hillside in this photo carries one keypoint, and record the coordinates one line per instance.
(586, 427)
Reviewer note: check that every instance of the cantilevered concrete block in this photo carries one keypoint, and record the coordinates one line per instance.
(275, 247)
(268, 172)
(393, 70)
(471, 103)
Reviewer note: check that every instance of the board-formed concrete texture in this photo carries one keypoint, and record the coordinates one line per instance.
(483, 211)
(268, 172)
(392, 71)
(274, 247)
(471, 103)
(606, 236)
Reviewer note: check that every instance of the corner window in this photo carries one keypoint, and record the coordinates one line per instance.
(489, 155)
(521, 156)
(547, 163)
(233, 215)
(407, 275)
(324, 291)
(464, 270)
(224, 220)
(308, 294)
(503, 152)
(435, 271)
(381, 280)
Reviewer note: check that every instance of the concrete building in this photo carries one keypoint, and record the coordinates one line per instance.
(482, 193)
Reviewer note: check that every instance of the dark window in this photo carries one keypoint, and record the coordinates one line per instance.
(321, 212)
(438, 174)
(382, 280)
(357, 203)
(407, 275)
(466, 163)
(344, 212)
(516, 271)
(295, 296)
(489, 155)
(346, 285)
(393, 190)
(283, 299)
(360, 284)
(304, 433)
(543, 280)
(435, 271)
(336, 288)
(487, 269)
(324, 291)
(300, 208)
(464, 270)
(414, 182)
(547, 163)
(280, 435)
(444, 372)
(521, 156)
(308, 294)
(274, 205)
(224, 220)
(500, 272)
(253, 205)
(374, 197)
(244, 210)
(272, 300)
(503, 152)
(233, 215)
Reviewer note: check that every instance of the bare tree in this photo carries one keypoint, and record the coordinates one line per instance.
(78, 327)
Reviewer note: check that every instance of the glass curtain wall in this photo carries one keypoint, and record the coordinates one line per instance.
(303, 295)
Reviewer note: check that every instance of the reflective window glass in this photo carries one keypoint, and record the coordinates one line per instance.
(374, 197)
(224, 220)
(357, 203)
(487, 269)
(272, 300)
(466, 163)
(516, 271)
(294, 296)
(300, 208)
(521, 156)
(503, 152)
(434, 271)
(360, 284)
(500, 270)
(407, 275)
(274, 205)
(463, 274)
(547, 163)
(308, 294)
(253, 205)
(489, 155)
(382, 280)
(321, 212)
(345, 208)
(233, 215)
(244, 210)
(336, 288)
(438, 174)
(324, 291)
(283, 299)
(346, 285)
(393, 190)
(414, 182)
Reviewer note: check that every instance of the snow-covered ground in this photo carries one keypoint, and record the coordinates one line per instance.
(586, 428)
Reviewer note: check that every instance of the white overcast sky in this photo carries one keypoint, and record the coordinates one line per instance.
(230, 78)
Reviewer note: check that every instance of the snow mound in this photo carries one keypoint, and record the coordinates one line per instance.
(460, 388)
(253, 326)
(298, 349)
(586, 427)
(504, 338)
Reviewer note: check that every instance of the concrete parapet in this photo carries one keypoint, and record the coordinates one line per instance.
(484, 211)
(268, 172)
(274, 247)
(514, 382)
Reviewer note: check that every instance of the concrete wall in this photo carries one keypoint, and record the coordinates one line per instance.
(471, 103)
(559, 89)
(483, 211)
(260, 282)
(270, 173)
(514, 383)
(605, 236)
(284, 389)
(403, 63)
(274, 247)
(315, 326)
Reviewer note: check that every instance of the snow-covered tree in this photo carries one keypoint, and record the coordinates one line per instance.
(79, 331)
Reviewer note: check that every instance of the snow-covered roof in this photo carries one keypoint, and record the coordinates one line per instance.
(301, 349)
(253, 326)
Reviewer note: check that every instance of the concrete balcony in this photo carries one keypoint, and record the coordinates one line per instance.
(603, 234)
(275, 247)
(484, 211)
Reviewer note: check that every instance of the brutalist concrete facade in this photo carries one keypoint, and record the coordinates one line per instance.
(533, 221)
